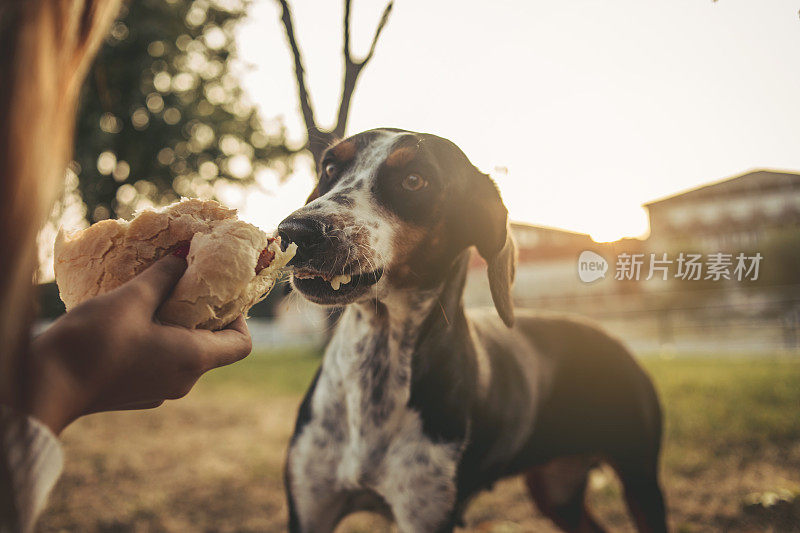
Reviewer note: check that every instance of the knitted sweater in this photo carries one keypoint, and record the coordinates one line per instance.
(30, 463)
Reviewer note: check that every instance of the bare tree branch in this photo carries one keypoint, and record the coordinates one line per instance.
(319, 139)
(384, 18)
(353, 67)
(346, 49)
(299, 71)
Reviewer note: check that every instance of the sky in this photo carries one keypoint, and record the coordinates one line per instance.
(582, 109)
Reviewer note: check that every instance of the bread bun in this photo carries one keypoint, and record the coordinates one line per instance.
(231, 265)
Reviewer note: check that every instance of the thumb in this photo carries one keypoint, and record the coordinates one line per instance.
(154, 284)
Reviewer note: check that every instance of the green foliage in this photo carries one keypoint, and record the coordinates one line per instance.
(163, 114)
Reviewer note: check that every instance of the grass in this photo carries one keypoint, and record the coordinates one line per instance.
(739, 402)
(265, 374)
(213, 461)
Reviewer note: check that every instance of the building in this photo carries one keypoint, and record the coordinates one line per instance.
(547, 269)
(731, 214)
(758, 211)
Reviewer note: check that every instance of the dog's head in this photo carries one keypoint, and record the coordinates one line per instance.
(391, 211)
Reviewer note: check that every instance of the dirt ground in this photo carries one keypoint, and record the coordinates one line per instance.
(213, 461)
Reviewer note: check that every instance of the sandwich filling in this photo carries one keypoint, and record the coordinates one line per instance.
(265, 258)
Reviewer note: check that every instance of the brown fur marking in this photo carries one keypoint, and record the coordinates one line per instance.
(344, 151)
(406, 242)
(401, 156)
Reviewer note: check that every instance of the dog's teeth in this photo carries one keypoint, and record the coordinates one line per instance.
(338, 281)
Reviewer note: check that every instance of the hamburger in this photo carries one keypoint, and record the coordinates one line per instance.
(231, 265)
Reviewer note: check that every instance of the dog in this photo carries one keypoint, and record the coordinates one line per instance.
(418, 404)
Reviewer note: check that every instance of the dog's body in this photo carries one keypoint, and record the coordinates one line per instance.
(419, 405)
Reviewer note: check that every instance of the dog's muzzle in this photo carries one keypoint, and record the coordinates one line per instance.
(326, 269)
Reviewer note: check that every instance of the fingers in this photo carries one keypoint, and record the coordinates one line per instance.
(231, 344)
(202, 349)
(156, 282)
(240, 325)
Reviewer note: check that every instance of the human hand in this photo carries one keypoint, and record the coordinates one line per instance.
(110, 353)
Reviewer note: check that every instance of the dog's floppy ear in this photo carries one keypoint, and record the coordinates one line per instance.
(485, 219)
(502, 268)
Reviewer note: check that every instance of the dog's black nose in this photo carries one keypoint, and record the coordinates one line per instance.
(306, 233)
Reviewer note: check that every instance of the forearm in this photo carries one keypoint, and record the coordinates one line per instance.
(38, 389)
(51, 395)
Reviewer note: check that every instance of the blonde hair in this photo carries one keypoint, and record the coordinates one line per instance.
(48, 46)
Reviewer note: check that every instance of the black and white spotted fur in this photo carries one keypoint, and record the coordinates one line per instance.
(418, 404)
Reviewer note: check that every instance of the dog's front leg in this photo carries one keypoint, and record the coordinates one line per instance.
(316, 501)
(315, 516)
(421, 484)
(314, 506)
(416, 514)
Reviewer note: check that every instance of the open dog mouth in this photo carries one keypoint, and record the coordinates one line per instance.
(333, 285)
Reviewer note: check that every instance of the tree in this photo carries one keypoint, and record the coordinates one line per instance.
(318, 138)
(163, 115)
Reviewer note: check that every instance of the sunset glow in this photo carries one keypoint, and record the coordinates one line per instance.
(593, 108)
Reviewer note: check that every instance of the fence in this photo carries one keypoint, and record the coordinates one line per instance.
(663, 318)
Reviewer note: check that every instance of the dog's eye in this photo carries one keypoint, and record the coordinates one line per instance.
(413, 183)
(330, 169)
